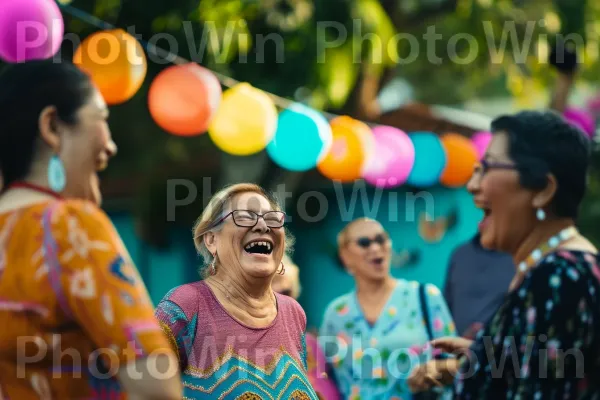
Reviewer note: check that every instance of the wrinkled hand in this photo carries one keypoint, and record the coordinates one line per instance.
(431, 374)
(452, 345)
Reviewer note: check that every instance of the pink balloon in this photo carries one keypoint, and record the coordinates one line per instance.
(317, 365)
(581, 119)
(593, 104)
(29, 30)
(392, 160)
(481, 141)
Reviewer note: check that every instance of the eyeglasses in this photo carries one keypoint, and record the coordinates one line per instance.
(365, 242)
(249, 219)
(484, 166)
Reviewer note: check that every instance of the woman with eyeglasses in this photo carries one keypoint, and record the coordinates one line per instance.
(376, 334)
(236, 338)
(530, 186)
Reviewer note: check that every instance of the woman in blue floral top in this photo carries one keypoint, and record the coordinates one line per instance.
(375, 335)
(544, 341)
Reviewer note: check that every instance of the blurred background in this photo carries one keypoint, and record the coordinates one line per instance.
(359, 79)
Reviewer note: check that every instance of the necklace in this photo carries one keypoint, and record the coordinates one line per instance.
(552, 243)
(32, 186)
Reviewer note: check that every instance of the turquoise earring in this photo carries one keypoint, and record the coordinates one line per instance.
(57, 178)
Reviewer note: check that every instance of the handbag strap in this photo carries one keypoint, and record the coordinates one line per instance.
(425, 310)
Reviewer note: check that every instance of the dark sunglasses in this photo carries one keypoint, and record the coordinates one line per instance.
(365, 242)
(484, 166)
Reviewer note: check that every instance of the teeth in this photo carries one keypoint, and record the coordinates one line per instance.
(251, 245)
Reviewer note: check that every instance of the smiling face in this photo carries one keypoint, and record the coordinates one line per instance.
(84, 148)
(366, 251)
(254, 249)
(509, 208)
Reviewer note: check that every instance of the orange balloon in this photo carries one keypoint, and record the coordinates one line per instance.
(183, 99)
(461, 159)
(116, 63)
(353, 142)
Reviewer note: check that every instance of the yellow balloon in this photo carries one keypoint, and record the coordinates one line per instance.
(245, 122)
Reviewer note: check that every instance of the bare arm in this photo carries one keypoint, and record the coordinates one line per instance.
(155, 377)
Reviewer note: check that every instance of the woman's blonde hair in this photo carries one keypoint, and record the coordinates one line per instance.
(342, 237)
(215, 209)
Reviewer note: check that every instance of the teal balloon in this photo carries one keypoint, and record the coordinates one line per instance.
(430, 159)
(302, 139)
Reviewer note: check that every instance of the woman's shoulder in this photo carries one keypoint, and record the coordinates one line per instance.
(75, 213)
(574, 271)
(56, 211)
(290, 307)
(566, 260)
(410, 286)
(78, 206)
(185, 296)
(339, 306)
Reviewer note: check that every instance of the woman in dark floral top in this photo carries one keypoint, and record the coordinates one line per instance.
(544, 341)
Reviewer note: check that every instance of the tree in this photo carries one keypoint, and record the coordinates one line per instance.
(297, 50)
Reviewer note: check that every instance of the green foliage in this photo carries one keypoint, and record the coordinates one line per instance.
(274, 44)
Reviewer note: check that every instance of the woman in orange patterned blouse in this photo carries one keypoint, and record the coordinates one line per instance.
(76, 318)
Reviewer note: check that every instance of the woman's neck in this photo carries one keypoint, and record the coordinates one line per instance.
(16, 198)
(374, 288)
(540, 234)
(255, 299)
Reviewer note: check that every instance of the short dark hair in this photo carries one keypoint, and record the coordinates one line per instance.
(25, 90)
(543, 142)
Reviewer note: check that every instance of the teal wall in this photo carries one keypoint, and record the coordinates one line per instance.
(161, 270)
(321, 276)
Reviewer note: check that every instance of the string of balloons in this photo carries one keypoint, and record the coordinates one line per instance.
(186, 99)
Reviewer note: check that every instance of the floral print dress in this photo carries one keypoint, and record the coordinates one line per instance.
(372, 362)
(544, 341)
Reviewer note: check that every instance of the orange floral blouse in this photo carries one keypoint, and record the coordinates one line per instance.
(73, 308)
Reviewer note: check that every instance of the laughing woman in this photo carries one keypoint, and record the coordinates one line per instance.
(378, 329)
(235, 337)
(530, 185)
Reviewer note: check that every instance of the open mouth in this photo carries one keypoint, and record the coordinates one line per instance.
(378, 262)
(486, 215)
(259, 247)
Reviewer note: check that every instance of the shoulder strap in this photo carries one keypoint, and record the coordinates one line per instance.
(425, 310)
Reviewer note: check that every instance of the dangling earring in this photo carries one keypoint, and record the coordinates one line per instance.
(213, 266)
(282, 270)
(57, 178)
(540, 214)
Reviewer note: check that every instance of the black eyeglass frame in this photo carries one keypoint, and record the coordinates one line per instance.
(484, 166)
(258, 217)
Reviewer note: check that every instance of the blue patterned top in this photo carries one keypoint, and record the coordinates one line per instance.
(373, 362)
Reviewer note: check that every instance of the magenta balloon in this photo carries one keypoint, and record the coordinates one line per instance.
(392, 160)
(581, 119)
(481, 141)
(317, 366)
(29, 30)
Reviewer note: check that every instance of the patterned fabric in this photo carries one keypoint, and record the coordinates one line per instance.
(223, 359)
(72, 307)
(544, 338)
(373, 362)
